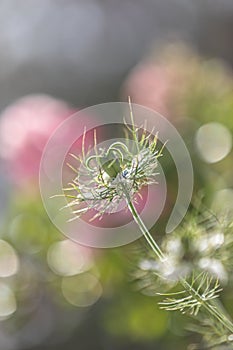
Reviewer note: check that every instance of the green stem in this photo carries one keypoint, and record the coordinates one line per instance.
(213, 307)
(146, 233)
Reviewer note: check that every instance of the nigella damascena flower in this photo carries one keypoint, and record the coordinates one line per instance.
(109, 177)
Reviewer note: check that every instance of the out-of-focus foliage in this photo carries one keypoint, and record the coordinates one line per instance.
(196, 94)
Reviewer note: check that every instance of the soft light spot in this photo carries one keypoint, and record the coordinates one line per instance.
(217, 239)
(9, 262)
(148, 265)
(67, 258)
(81, 290)
(223, 201)
(210, 242)
(7, 301)
(213, 142)
(174, 246)
(215, 267)
(28, 233)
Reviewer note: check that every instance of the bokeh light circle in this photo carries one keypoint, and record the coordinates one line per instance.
(223, 201)
(107, 115)
(9, 262)
(26, 237)
(81, 290)
(7, 301)
(67, 258)
(213, 142)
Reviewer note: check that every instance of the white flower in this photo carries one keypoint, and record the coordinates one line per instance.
(107, 176)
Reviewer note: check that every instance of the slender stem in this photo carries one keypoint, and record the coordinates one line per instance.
(212, 307)
(146, 233)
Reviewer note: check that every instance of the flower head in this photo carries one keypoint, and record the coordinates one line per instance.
(111, 176)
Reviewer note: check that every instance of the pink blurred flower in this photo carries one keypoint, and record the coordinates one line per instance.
(161, 81)
(25, 127)
(152, 85)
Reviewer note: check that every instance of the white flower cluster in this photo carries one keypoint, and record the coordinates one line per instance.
(193, 247)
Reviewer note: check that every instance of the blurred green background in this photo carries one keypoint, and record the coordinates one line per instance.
(57, 57)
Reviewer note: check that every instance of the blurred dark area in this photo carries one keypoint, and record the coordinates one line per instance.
(81, 51)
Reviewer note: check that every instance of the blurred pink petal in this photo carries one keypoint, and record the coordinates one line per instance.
(25, 127)
(161, 80)
(151, 85)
